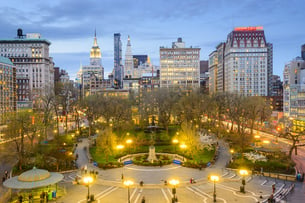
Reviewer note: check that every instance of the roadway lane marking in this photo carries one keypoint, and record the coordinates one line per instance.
(133, 193)
(264, 182)
(106, 193)
(206, 194)
(138, 196)
(234, 192)
(163, 169)
(169, 192)
(197, 193)
(165, 196)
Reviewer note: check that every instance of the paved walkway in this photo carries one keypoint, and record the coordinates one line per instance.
(139, 173)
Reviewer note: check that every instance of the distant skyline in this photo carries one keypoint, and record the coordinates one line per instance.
(70, 24)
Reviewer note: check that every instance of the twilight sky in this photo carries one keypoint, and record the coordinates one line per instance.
(69, 25)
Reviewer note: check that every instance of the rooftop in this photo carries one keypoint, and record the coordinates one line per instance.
(5, 60)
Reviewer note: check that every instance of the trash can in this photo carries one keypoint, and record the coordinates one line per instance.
(54, 194)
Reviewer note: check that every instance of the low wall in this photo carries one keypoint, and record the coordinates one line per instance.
(131, 156)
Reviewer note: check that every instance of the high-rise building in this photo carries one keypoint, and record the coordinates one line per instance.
(30, 54)
(213, 64)
(245, 63)
(95, 67)
(118, 67)
(294, 88)
(128, 67)
(7, 86)
(179, 66)
(204, 75)
(277, 86)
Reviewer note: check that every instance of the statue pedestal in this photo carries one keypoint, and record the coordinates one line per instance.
(152, 154)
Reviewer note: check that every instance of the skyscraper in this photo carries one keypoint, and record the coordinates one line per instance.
(245, 63)
(128, 67)
(95, 67)
(180, 66)
(294, 88)
(118, 67)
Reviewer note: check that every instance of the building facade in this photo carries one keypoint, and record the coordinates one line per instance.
(8, 86)
(30, 54)
(118, 66)
(95, 68)
(179, 66)
(294, 88)
(128, 67)
(213, 64)
(245, 63)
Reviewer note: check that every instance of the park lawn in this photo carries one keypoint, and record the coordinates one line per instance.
(100, 158)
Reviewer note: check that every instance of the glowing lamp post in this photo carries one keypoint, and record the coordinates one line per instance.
(175, 142)
(174, 183)
(87, 181)
(243, 173)
(121, 147)
(215, 179)
(128, 183)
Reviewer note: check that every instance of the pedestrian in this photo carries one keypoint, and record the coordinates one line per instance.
(143, 200)
(20, 198)
(30, 198)
(6, 174)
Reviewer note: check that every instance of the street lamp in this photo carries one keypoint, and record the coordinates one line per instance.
(120, 147)
(243, 173)
(215, 179)
(174, 183)
(128, 183)
(175, 141)
(87, 181)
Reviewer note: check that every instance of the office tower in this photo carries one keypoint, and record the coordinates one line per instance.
(213, 64)
(7, 86)
(118, 67)
(128, 67)
(245, 63)
(179, 66)
(30, 54)
(294, 88)
(94, 68)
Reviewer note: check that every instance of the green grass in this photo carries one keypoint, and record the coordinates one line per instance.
(100, 158)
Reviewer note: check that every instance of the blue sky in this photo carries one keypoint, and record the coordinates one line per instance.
(70, 25)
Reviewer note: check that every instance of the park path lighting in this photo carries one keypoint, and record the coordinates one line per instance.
(243, 173)
(121, 147)
(175, 142)
(215, 179)
(87, 181)
(128, 183)
(174, 183)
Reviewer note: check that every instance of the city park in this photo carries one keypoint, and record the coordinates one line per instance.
(159, 129)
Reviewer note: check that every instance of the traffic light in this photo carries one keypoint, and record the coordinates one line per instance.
(278, 128)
